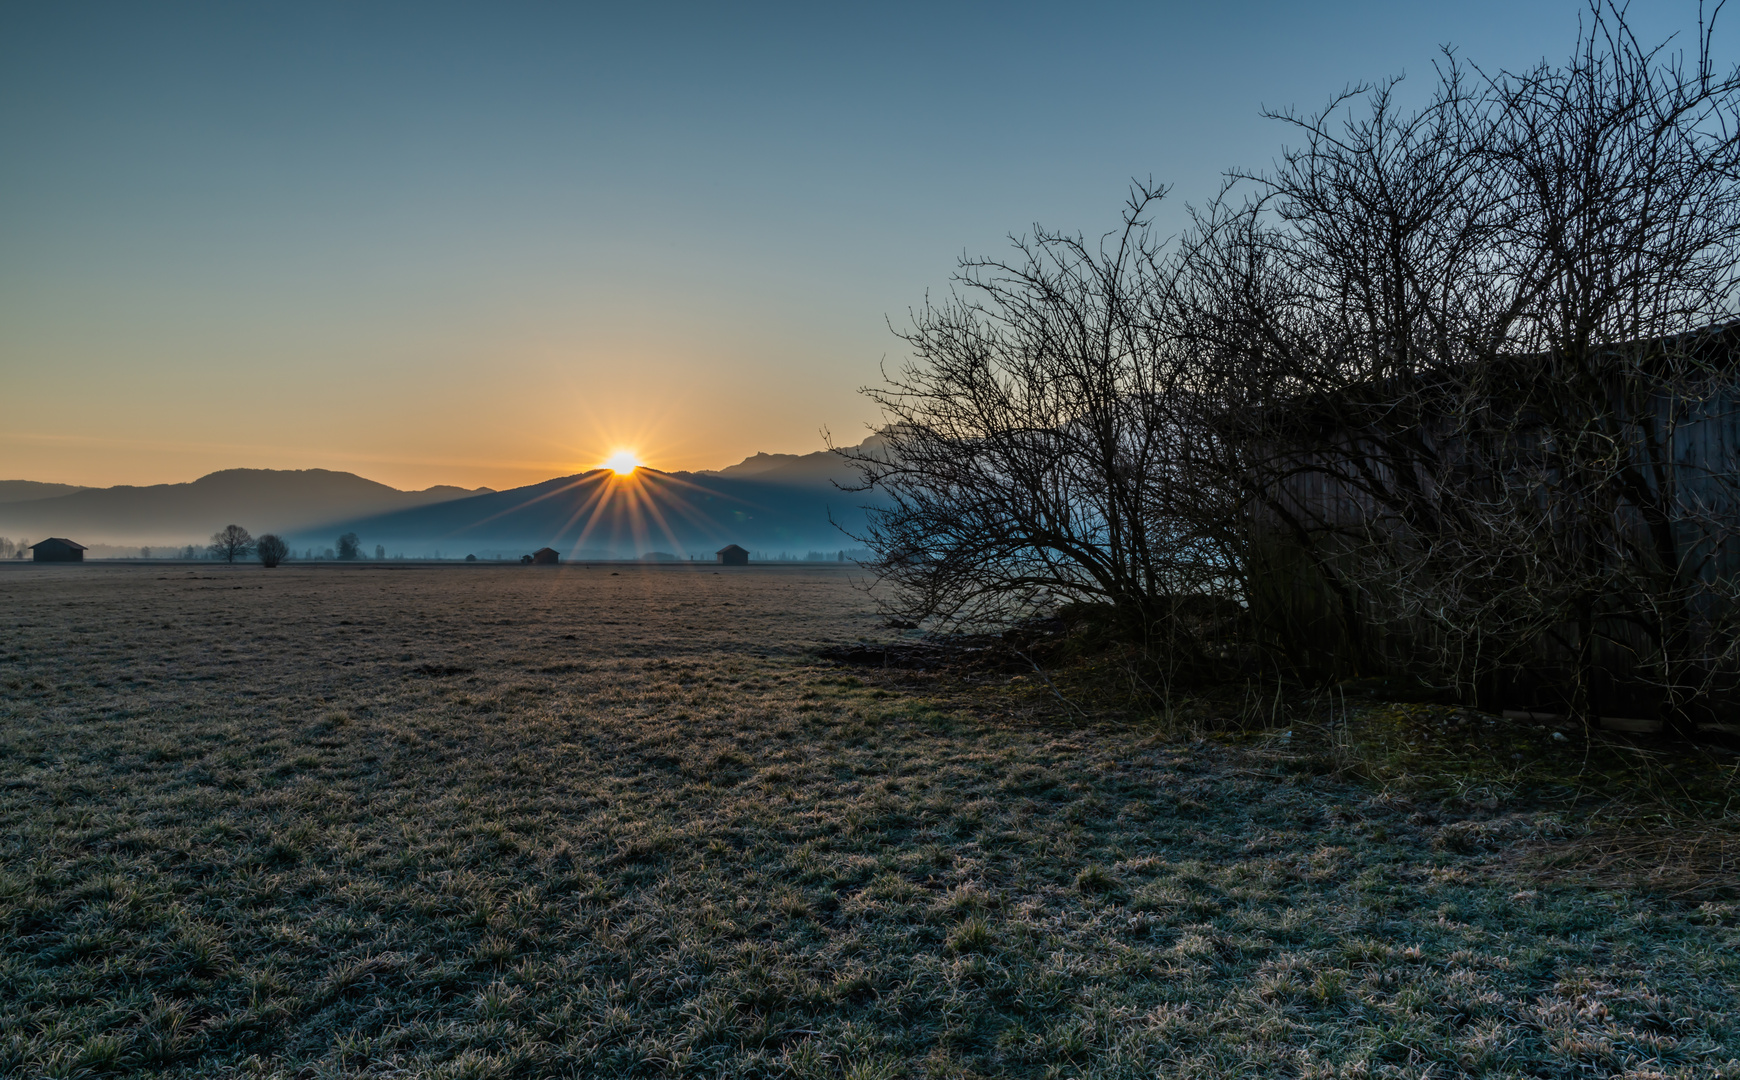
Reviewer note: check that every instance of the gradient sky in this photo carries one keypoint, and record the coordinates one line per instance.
(489, 243)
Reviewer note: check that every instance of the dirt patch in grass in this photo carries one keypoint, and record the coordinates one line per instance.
(631, 826)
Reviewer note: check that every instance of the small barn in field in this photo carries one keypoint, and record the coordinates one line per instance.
(57, 549)
(546, 557)
(732, 555)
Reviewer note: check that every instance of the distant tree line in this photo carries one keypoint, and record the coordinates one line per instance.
(1432, 396)
(234, 542)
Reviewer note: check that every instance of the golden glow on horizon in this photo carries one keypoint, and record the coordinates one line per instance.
(623, 462)
(506, 435)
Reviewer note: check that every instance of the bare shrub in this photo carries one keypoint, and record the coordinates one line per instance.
(1468, 378)
(1445, 393)
(1035, 450)
(271, 550)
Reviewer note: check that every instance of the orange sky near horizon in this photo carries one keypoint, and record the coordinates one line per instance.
(470, 455)
(474, 418)
(489, 244)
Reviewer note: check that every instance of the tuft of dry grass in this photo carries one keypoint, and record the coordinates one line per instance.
(499, 822)
(1677, 862)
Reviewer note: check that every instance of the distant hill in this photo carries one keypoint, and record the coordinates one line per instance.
(260, 500)
(599, 515)
(12, 491)
(824, 468)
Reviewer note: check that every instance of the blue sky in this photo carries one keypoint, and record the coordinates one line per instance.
(488, 243)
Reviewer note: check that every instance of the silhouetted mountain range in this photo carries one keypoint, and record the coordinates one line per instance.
(767, 503)
(599, 515)
(261, 500)
(824, 468)
(12, 491)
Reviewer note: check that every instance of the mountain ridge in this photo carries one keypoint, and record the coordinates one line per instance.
(12, 491)
(261, 500)
(821, 468)
(598, 515)
(766, 502)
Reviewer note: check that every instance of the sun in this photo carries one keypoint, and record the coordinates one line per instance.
(622, 462)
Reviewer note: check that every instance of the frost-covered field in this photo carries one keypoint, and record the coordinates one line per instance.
(516, 821)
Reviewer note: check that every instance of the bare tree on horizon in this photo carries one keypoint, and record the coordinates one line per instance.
(231, 543)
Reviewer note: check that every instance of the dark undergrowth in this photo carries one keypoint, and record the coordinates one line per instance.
(1651, 811)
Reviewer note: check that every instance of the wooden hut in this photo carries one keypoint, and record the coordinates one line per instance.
(546, 557)
(732, 555)
(1355, 478)
(57, 549)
